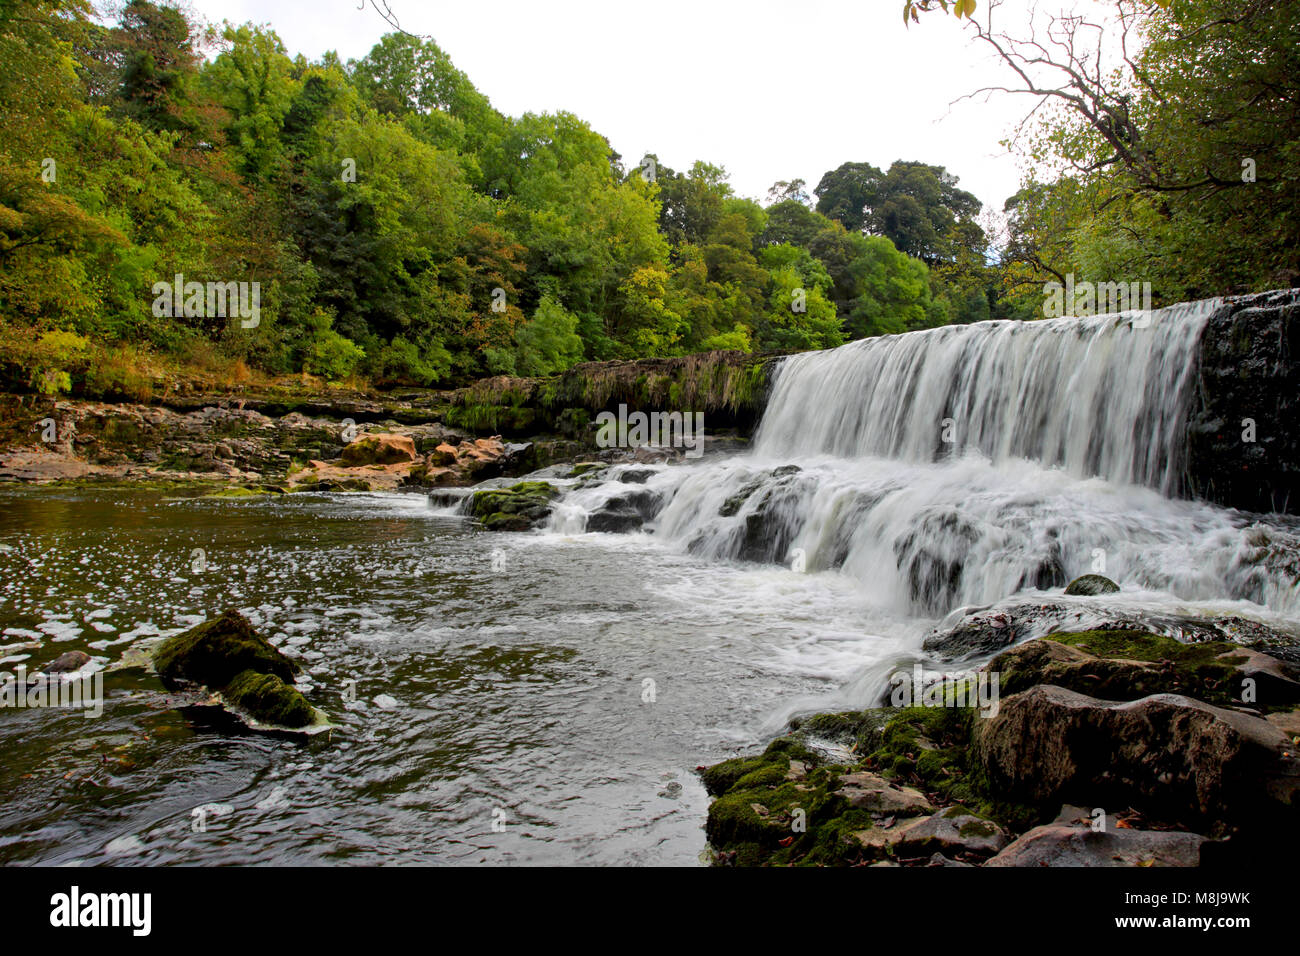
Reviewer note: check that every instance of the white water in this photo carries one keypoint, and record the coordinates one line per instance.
(1065, 453)
(1099, 396)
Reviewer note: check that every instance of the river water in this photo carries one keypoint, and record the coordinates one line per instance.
(545, 697)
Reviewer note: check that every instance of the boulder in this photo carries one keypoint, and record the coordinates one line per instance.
(384, 448)
(228, 656)
(1063, 845)
(1089, 585)
(870, 791)
(952, 831)
(521, 506)
(1171, 754)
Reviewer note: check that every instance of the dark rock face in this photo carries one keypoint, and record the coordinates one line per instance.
(1249, 371)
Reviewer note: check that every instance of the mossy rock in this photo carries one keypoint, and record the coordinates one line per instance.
(237, 491)
(586, 468)
(1121, 665)
(228, 656)
(215, 652)
(1090, 585)
(269, 700)
(517, 508)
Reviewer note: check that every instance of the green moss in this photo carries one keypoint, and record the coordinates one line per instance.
(214, 652)
(226, 655)
(269, 700)
(1195, 670)
(586, 468)
(237, 491)
(515, 508)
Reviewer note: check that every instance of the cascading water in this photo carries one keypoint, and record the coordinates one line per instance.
(963, 465)
(1099, 396)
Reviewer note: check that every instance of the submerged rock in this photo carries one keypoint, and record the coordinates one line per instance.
(1090, 585)
(228, 656)
(66, 663)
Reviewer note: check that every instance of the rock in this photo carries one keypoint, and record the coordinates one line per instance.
(978, 631)
(1091, 585)
(268, 699)
(380, 449)
(625, 512)
(952, 830)
(1247, 369)
(636, 476)
(228, 656)
(869, 791)
(1125, 665)
(517, 508)
(67, 663)
(1171, 754)
(1061, 845)
(938, 859)
(442, 456)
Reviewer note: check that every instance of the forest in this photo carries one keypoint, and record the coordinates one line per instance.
(403, 231)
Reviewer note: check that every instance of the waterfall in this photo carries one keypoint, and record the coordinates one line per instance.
(964, 465)
(1100, 396)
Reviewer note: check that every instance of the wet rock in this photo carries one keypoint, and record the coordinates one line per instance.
(1091, 585)
(953, 830)
(932, 557)
(972, 632)
(1247, 369)
(870, 791)
(518, 508)
(1063, 845)
(625, 512)
(380, 449)
(228, 656)
(67, 663)
(1175, 755)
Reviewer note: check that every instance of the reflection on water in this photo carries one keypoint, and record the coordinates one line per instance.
(565, 697)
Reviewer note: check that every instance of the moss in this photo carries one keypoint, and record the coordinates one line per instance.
(859, 730)
(516, 508)
(1205, 671)
(237, 491)
(268, 699)
(214, 652)
(226, 655)
(586, 468)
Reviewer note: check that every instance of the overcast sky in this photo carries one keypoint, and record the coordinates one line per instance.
(768, 90)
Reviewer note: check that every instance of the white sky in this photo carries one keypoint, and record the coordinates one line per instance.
(769, 90)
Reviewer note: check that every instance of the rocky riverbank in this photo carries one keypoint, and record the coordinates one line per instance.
(345, 441)
(1097, 748)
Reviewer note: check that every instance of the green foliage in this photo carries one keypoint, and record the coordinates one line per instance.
(402, 229)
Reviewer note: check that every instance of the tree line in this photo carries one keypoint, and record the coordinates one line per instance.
(403, 230)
